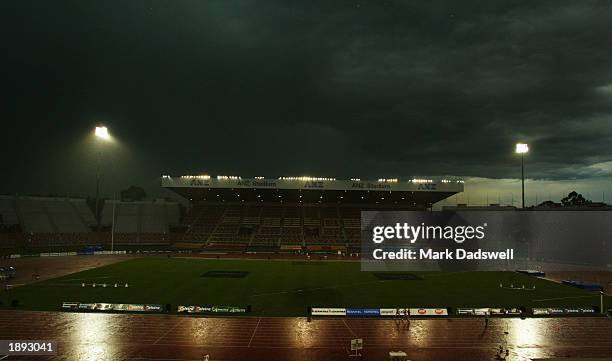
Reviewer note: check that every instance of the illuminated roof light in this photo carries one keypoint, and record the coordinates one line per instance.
(305, 178)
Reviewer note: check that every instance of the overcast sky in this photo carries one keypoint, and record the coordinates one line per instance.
(325, 88)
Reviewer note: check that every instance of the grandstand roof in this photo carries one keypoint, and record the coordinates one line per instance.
(411, 192)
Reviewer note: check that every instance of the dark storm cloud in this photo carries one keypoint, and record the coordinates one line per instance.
(350, 88)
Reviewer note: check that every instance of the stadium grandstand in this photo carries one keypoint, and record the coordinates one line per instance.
(293, 213)
(58, 223)
(224, 213)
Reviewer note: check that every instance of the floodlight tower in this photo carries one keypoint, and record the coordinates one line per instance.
(102, 135)
(522, 149)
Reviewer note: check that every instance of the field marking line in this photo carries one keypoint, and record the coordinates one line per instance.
(168, 331)
(349, 328)
(316, 288)
(254, 331)
(84, 279)
(563, 298)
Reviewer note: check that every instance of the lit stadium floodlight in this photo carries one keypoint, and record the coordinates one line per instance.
(522, 148)
(102, 133)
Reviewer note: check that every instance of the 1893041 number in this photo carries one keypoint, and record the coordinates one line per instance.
(28, 347)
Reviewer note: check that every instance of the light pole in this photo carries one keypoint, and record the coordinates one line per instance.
(522, 148)
(102, 134)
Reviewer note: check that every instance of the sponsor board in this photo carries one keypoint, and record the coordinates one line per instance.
(211, 309)
(562, 311)
(388, 311)
(363, 312)
(414, 311)
(504, 311)
(70, 305)
(483, 311)
(328, 311)
(119, 307)
(428, 312)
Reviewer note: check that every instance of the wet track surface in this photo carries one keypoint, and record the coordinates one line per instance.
(89, 336)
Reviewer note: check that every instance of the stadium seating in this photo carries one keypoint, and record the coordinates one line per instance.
(269, 226)
(46, 222)
(47, 215)
(260, 227)
(141, 222)
(8, 213)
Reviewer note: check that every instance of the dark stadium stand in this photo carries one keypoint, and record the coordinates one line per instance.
(270, 226)
(225, 214)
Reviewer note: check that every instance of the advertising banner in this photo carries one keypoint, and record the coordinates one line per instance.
(562, 311)
(428, 312)
(70, 305)
(482, 311)
(211, 309)
(327, 311)
(416, 312)
(363, 312)
(473, 311)
(118, 307)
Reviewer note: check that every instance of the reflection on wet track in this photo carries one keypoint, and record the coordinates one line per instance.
(89, 336)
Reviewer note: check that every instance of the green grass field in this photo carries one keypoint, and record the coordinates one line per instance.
(287, 288)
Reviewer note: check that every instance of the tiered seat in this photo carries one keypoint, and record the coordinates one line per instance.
(154, 238)
(84, 212)
(312, 225)
(8, 214)
(64, 216)
(332, 226)
(351, 221)
(252, 216)
(153, 218)
(292, 226)
(203, 220)
(228, 230)
(269, 231)
(35, 218)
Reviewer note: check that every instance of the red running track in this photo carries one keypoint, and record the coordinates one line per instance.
(89, 336)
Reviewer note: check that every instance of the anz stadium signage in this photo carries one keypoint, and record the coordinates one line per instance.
(312, 184)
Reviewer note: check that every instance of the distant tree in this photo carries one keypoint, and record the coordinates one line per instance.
(575, 199)
(133, 193)
(549, 204)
